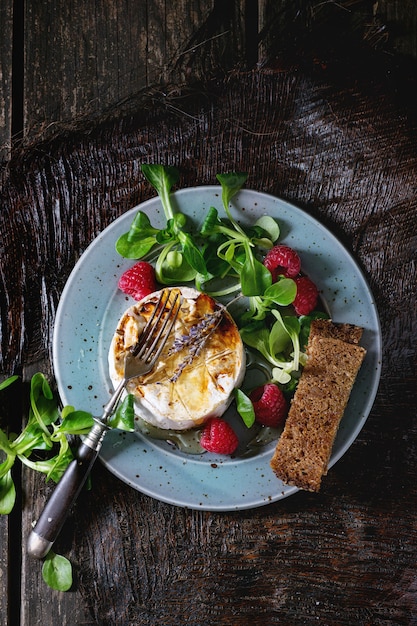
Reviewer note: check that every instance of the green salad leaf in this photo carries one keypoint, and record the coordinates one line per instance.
(124, 416)
(57, 572)
(236, 247)
(8, 381)
(179, 258)
(43, 446)
(139, 240)
(244, 407)
(7, 489)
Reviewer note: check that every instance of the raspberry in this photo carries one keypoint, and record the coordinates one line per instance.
(219, 437)
(307, 295)
(282, 260)
(269, 404)
(138, 281)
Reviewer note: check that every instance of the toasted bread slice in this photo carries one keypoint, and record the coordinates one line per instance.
(303, 451)
(327, 328)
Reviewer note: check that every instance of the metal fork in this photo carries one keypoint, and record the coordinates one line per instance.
(140, 360)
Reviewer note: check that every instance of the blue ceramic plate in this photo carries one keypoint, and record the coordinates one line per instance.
(89, 310)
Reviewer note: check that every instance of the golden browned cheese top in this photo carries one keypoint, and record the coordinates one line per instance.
(184, 387)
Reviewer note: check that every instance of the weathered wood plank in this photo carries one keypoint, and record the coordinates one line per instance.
(39, 604)
(389, 25)
(4, 566)
(81, 63)
(6, 47)
(10, 410)
(396, 24)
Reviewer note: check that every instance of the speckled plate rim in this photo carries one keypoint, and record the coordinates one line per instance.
(91, 305)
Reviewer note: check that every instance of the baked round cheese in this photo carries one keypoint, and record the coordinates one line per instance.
(201, 364)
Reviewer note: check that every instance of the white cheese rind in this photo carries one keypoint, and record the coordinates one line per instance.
(204, 388)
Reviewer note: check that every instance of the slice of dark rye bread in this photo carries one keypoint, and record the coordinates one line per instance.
(333, 360)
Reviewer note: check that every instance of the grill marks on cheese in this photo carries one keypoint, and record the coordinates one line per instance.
(203, 389)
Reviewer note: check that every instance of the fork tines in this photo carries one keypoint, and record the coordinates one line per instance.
(157, 329)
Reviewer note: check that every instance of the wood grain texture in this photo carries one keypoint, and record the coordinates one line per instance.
(39, 604)
(5, 582)
(384, 25)
(78, 65)
(6, 30)
(12, 410)
(339, 140)
(82, 63)
(396, 22)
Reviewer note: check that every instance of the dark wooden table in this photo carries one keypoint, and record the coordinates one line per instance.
(338, 138)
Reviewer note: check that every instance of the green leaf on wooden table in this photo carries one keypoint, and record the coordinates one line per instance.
(57, 572)
(43, 404)
(8, 381)
(7, 493)
(75, 422)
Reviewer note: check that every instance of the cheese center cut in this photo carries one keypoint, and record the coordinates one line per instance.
(201, 364)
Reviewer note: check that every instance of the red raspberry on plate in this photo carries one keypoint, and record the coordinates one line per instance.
(269, 404)
(282, 260)
(307, 295)
(139, 280)
(219, 437)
